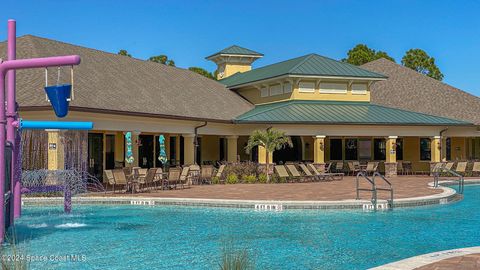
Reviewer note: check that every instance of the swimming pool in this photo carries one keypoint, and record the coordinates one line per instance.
(168, 237)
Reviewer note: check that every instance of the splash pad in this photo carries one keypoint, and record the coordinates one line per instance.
(11, 124)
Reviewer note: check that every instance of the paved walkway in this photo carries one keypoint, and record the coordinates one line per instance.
(467, 262)
(404, 186)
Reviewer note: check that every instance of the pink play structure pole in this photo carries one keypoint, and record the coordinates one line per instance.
(12, 116)
(8, 116)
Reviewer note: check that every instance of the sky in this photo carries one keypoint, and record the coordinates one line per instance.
(188, 31)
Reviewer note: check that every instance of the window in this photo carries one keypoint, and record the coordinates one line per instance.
(379, 149)
(333, 88)
(425, 149)
(359, 89)
(336, 149)
(264, 92)
(173, 148)
(365, 149)
(351, 152)
(276, 90)
(306, 87)
(399, 149)
(287, 87)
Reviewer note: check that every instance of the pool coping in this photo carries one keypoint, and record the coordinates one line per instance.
(426, 259)
(448, 195)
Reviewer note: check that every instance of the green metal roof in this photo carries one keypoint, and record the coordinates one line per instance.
(236, 50)
(311, 64)
(336, 112)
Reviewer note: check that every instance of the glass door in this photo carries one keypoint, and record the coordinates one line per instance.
(145, 151)
(95, 155)
(110, 152)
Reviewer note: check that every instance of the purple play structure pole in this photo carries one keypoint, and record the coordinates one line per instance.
(12, 116)
(9, 67)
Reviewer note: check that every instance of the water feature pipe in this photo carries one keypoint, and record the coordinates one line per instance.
(13, 64)
(25, 124)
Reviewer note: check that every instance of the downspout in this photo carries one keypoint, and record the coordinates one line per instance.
(441, 145)
(195, 141)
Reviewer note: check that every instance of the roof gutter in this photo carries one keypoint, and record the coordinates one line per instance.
(195, 141)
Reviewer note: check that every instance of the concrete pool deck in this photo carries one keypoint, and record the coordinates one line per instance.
(409, 191)
(462, 258)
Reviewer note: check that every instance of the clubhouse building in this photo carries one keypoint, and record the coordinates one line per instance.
(332, 110)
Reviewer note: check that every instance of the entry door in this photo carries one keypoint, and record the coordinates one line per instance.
(95, 155)
(145, 151)
(110, 152)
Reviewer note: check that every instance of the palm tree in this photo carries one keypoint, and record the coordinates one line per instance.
(271, 139)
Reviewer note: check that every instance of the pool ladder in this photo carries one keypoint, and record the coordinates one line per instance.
(374, 189)
(438, 171)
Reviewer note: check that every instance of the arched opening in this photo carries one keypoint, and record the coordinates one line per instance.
(289, 153)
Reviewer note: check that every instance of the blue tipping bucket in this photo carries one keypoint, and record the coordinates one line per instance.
(59, 96)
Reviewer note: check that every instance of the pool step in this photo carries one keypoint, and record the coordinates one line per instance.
(269, 207)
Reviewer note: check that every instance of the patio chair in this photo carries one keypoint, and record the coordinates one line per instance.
(206, 172)
(407, 167)
(109, 179)
(295, 173)
(325, 175)
(371, 167)
(148, 180)
(121, 179)
(476, 168)
(339, 166)
(173, 177)
(328, 167)
(352, 169)
(461, 168)
(282, 172)
(449, 165)
(400, 168)
(219, 173)
(184, 177)
(194, 174)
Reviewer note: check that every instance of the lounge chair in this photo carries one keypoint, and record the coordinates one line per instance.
(461, 168)
(449, 165)
(194, 174)
(206, 172)
(307, 172)
(325, 175)
(282, 172)
(296, 174)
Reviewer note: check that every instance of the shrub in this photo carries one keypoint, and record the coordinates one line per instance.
(215, 180)
(232, 178)
(235, 259)
(251, 179)
(262, 178)
(243, 168)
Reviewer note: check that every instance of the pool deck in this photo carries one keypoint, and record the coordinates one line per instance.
(409, 191)
(462, 258)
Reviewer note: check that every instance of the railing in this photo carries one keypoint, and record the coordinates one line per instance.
(437, 174)
(374, 189)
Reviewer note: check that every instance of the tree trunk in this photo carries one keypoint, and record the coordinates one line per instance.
(267, 163)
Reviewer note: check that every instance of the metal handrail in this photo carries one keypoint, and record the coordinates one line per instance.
(438, 171)
(374, 188)
(375, 174)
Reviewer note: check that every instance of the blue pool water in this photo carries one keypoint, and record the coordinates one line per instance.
(137, 237)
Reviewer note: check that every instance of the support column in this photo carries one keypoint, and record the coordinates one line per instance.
(188, 149)
(444, 149)
(319, 152)
(435, 151)
(391, 156)
(56, 159)
(232, 148)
